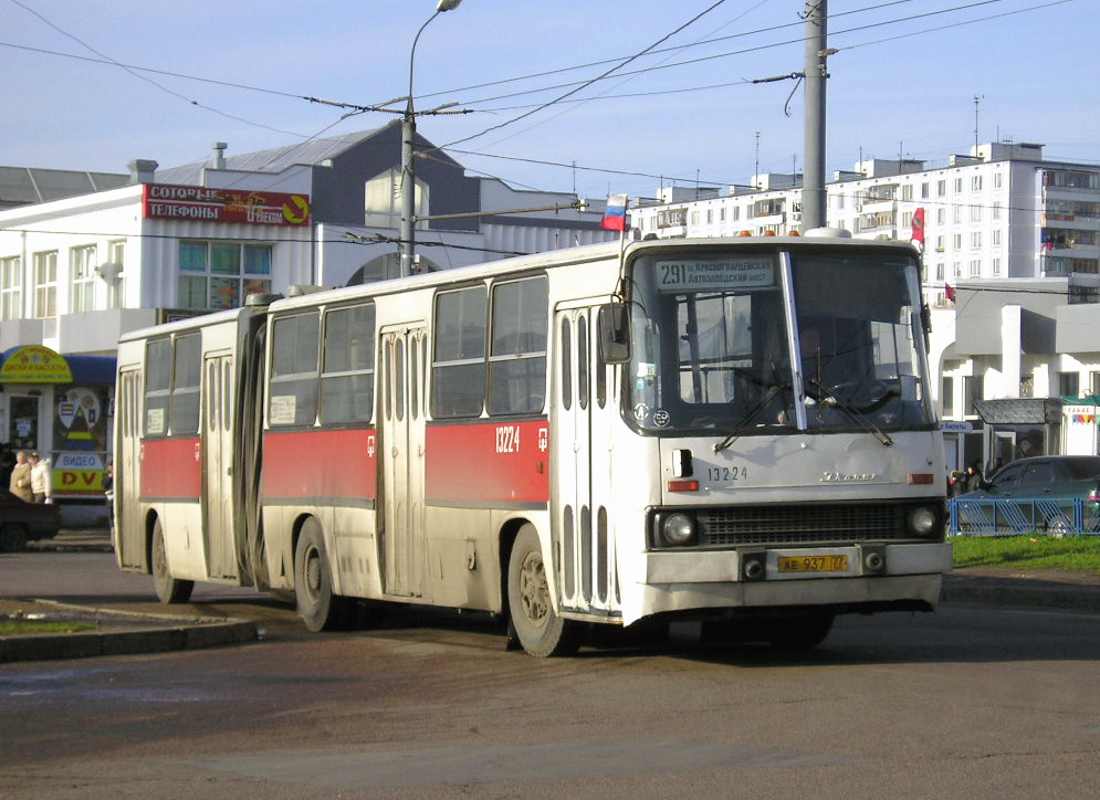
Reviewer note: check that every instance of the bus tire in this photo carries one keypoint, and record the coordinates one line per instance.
(320, 609)
(539, 629)
(168, 589)
(803, 632)
(13, 538)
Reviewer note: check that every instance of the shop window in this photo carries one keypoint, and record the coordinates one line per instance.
(45, 284)
(82, 276)
(11, 288)
(216, 275)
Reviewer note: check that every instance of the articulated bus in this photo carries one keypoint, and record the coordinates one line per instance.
(733, 431)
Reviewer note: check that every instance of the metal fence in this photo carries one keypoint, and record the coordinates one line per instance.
(989, 517)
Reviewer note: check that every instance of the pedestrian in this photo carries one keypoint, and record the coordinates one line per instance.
(974, 479)
(109, 493)
(7, 463)
(20, 482)
(41, 479)
(955, 483)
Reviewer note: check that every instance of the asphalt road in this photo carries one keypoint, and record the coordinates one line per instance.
(973, 701)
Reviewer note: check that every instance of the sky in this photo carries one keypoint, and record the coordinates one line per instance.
(660, 92)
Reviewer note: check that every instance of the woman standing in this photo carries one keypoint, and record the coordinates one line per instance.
(20, 484)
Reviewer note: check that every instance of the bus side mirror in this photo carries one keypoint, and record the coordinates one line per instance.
(614, 332)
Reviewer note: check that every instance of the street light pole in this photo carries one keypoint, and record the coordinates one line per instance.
(407, 230)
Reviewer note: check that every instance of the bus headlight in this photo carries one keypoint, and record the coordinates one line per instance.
(678, 529)
(923, 521)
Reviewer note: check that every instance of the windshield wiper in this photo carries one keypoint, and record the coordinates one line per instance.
(829, 397)
(771, 394)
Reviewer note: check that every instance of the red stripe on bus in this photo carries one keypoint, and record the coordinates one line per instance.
(495, 462)
(171, 468)
(330, 463)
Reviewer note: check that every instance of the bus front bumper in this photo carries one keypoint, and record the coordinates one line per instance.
(852, 578)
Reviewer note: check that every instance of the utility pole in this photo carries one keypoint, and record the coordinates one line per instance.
(813, 180)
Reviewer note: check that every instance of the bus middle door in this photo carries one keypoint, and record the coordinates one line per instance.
(219, 530)
(401, 451)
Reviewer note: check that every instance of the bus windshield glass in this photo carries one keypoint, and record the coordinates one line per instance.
(724, 343)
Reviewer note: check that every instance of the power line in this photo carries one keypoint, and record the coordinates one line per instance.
(139, 76)
(603, 75)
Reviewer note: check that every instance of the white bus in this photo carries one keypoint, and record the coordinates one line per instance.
(737, 430)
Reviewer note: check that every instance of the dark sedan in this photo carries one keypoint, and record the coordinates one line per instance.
(21, 522)
(1042, 477)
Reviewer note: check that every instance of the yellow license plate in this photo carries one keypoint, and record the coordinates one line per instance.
(828, 563)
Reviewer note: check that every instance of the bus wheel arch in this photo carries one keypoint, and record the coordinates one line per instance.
(533, 620)
(319, 607)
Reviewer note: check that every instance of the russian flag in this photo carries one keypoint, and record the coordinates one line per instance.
(614, 218)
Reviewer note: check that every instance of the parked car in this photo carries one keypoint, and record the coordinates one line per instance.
(1042, 477)
(21, 522)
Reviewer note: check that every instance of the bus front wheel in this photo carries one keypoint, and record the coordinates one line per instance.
(169, 590)
(539, 629)
(320, 609)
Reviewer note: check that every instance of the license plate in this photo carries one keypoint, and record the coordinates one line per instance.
(826, 563)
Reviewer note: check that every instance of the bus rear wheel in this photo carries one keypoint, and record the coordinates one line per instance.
(168, 589)
(320, 609)
(539, 629)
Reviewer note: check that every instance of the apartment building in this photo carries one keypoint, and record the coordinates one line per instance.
(1011, 254)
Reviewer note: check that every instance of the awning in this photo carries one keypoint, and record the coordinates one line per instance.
(35, 363)
(1021, 411)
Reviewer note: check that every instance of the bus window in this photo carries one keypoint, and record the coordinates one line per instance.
(293, 390)
(158, 386)
(186, 376)
(458, 367)
(517, 362)
(347, 377)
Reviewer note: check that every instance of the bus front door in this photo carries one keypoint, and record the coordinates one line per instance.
(401, 450)
(581, 453)
(217, 473)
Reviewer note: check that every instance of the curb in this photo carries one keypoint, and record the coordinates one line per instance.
(187, 634)
(1027, 592)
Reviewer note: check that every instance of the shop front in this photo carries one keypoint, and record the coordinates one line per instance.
(60, 406)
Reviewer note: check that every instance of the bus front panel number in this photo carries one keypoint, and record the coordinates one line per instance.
(726, 475)
(507, 438)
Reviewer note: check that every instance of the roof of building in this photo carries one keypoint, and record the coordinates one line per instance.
(20, 186)
(309, 153)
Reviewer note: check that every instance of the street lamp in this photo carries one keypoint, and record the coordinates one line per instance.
(407, 232)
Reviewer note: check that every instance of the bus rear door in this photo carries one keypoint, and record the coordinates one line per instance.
(129, 533)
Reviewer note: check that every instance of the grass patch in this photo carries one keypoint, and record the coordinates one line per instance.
(24, 627)
(1028, 552)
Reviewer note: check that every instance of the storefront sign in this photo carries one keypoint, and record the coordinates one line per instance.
(34, 364)
(202, 204)
(78, 474)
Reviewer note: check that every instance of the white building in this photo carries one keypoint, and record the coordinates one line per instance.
(1015, 238)
(78, 271)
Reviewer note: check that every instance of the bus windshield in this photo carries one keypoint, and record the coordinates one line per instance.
(726, 344)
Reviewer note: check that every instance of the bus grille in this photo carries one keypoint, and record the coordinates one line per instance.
(802, 524)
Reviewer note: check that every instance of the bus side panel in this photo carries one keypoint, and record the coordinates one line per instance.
(489, 463)
(171, 469)
(171, 484)
(480, 477)
(333, 476)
